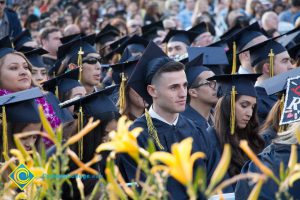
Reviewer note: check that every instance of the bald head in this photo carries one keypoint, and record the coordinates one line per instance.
(270, 21)
(71, 30)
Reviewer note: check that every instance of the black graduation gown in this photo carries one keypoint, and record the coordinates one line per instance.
(168, 135)
(212, 136)
(196, 117)
(264, 103)
(62, 113)
(268, 135)
(271, 156)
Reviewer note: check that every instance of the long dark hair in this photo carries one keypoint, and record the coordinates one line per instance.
(249, 133)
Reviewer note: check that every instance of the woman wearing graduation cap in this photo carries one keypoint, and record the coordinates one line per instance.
(20, 114)
(276, 154)
(235, 117)
(15, 76)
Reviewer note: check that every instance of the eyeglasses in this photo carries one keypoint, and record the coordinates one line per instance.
(91, 60)
(211, 84)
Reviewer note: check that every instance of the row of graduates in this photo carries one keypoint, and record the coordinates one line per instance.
(148, 78)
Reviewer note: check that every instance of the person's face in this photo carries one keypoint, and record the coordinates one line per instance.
(69, 19)
(85, 23)
(2, 5)
(34, 26)
(111, 126)
(176, 49)
(39, 75)
(170, 91)
(174, 8)
(134, 26)
(190, 4)
(15, 74)
(29, 142)
(54, 16)
(136, 99)
(244, 108)
(282, 63)
(53, 42)
(76, 92)
(91, 73)
(206, 91)
(203, 40)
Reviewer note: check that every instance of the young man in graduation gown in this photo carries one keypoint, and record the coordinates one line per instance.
(162, 83)
(245, 38)
(177, 42)
(260, 60)
(202, 94)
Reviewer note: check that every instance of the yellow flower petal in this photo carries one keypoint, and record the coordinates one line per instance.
(164, 157)
(256, 190)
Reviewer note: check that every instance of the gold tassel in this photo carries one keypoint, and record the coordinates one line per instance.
(122, 98)
(234, 59)
(56, 92)
(271, 55)
(232, 110)
(4, 131)
(152, 130)
(80, 126)
(79, 62)
(282, 127)
(206, 25)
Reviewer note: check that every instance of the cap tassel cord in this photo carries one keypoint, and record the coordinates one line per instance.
(4, 131)
(122, 99)
(80, 126)
(152, 130)
(234, 59)
(271, 55)
(232, 111)
(56, 92)
(79, 63)
(282, 127)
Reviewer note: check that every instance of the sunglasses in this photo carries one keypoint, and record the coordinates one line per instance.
(91, 60)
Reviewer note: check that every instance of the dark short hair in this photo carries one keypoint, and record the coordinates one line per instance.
(47, 31)
(166, 66)
(295, 3)
(259, 66)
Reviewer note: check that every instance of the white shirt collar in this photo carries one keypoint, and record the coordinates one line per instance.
(154, 115)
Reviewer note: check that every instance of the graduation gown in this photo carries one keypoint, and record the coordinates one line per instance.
(271, 156)
(268, 135)
(212, 136)
(168, 135)
(264, 103)
(196, 117)
(62, 113)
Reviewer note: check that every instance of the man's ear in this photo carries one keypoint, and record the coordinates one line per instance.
(151, 89)
(266, 68)
(192, 93)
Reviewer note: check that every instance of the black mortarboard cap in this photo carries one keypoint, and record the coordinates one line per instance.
(54, 69)
(69, 38)
(134, 44)
(152, 59)
(21, 39)
(35, 56)
(108, 33)
(202, 28)
(294, 51)
(126, 64)
(262, 50)
(244, 84)
(278, 83)
(214, 58)
(244, 36)
(65, 82)
(236, 28)
(180, 36)
(194, 68)
(71, 48)
(154, 26)
(97, 105)
(150, 35)
(21, 107)
(6, 46)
